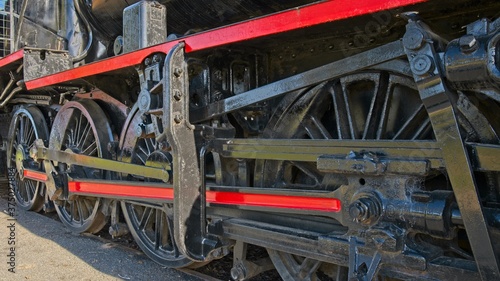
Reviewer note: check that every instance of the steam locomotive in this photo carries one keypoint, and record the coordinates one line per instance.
(353, 140)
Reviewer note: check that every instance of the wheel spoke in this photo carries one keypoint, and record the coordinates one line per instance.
(88, 205)
(145, 218)
(412, 123)
(30, 190)
(91, 149)
(80, 211)
(72, 211)
(158, 228)
(343, 118)
(21, 129)
(315, 129)
(308, 268)
(84, 136)
(78, 129)
(171, 238)
(30, 135)
(422, 130)
(150, 145)
(384, 114)
(379, 93)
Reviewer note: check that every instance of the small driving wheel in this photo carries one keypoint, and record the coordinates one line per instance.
(27, 125)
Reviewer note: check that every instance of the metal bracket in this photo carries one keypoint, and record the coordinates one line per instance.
(419, 44)
(244, 269)
(116, 229)
(40, 62)
(362, 267)
(189, 232)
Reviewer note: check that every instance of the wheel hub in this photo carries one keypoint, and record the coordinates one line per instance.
(21, 155)
(160, 159)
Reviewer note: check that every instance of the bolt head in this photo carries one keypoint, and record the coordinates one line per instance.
(238, 272)
(421, 64)
(356, 212)
(413, 39)
(139, 130)
(178, 118)
(177, 95)
(468, 43)
(178, 71)
(364, 210)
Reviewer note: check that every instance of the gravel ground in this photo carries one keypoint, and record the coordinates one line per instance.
(45, 250)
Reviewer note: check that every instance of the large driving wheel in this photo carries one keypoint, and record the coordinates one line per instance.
(379, 104)
(150, 224)
(27, 125)
(82, 128)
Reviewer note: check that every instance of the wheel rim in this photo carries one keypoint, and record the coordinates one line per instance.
(27, 125)
(150, 225)
(367, 105)
(81, 127)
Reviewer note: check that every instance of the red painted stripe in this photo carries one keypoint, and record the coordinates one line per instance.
(117, 189)
(214, 197)
(35, 175)
(315, 14)
(11, 58)
(274, 201)
(276, 23)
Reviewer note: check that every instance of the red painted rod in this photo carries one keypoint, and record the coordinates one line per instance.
(35, 175)
(121, 190)
(214, 197)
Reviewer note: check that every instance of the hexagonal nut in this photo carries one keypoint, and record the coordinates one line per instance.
(365, 210)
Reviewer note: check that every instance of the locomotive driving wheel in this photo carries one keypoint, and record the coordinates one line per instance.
(150, 224)
(380, 104)
(27, 125)
(82, 128)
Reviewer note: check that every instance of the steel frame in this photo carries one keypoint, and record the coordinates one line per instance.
(422, 54)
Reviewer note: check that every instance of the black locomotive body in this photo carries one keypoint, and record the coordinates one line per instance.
(351, 139)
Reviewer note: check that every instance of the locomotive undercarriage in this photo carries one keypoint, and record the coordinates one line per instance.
(381, 164)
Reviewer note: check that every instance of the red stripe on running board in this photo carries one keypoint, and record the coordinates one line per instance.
(35, 175)
(214, 197)
(288, 20)
(11, 58)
